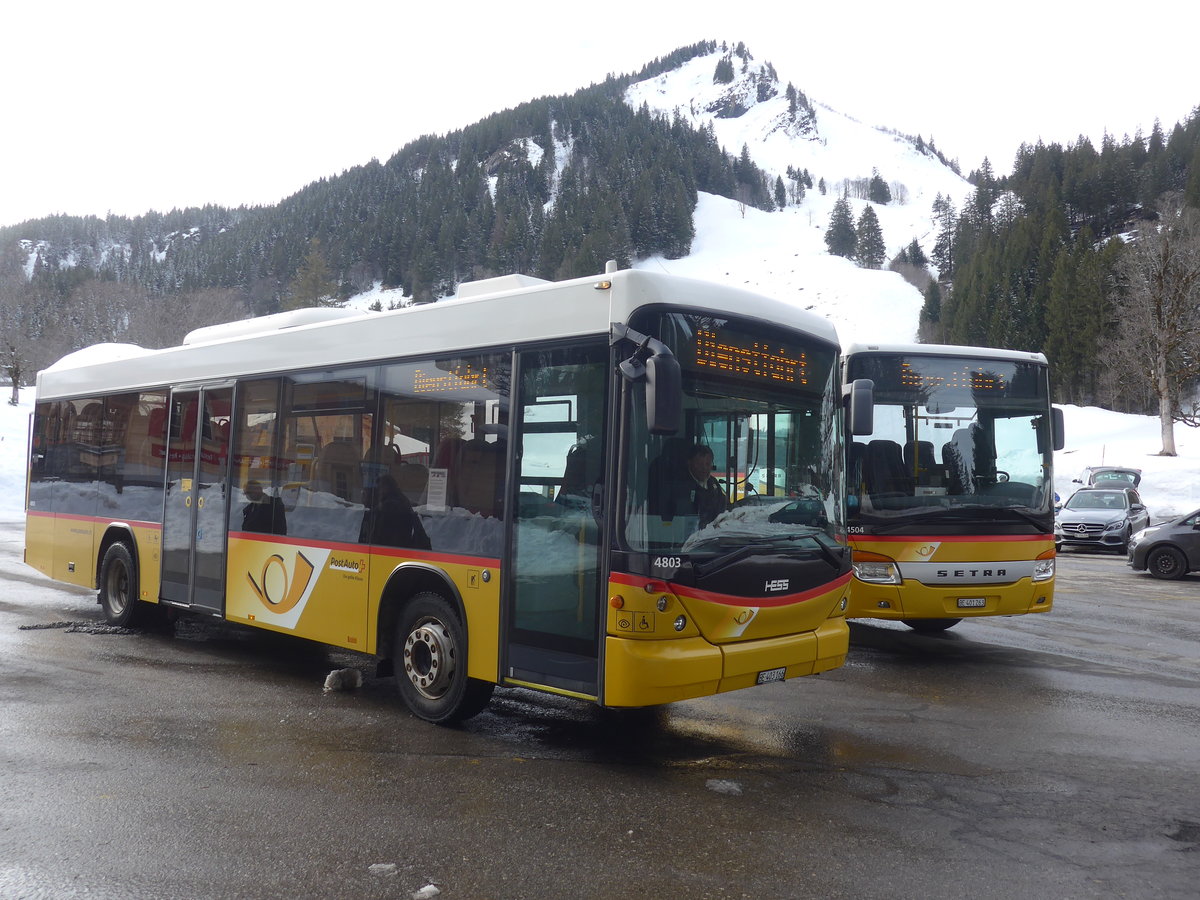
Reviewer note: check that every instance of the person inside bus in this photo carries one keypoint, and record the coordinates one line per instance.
(391, 520)
(263, 513)
(689, 489)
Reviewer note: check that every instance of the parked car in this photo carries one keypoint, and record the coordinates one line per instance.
(1110, 477)
(1100, 517)
(1170, 550)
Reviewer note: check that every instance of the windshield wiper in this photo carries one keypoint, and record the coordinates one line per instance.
(704, 569)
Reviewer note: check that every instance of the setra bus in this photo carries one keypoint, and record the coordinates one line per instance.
(951, 495)
(483, 491)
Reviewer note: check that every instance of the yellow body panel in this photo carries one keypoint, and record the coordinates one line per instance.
(149, 543)
(39, 542)
(915, 600)
(648, 662)
(74, 551)
(479, 587)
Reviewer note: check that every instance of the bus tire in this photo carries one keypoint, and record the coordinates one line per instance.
(930, 626)
(119, 586)
(431, 662)
(1167, 563)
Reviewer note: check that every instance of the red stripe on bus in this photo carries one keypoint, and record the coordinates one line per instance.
(95, 520)
(405, 552)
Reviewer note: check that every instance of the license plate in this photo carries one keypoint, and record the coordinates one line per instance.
(771, 675)
(972, 602)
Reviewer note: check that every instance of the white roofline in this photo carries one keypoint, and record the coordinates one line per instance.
(540, 312)
(943, 350)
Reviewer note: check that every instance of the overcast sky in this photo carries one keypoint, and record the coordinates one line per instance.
(130, 106)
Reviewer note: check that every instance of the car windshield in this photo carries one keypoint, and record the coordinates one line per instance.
(1097, 500)
(1109, 477)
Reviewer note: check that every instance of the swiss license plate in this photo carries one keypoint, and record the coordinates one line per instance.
(972, 602)
(770, 675)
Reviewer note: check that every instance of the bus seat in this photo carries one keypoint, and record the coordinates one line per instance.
(854, 473)
(580, 471)
(338, 471)
(958, 455)
(478, 476)
(919, 461)
(883, 469)
(413, 480)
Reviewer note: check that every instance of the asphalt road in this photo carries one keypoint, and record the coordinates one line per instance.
(1041, 756)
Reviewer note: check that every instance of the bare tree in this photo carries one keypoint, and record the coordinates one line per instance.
(14, 338)
(1158, 310)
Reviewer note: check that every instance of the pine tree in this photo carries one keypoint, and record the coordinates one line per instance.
(314, 284)
(870, 249)
(878, 190)
(780, 193)
(840, 237)
(724, 71)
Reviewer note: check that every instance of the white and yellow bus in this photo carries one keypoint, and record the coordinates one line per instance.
(471, 490)
(951, 498)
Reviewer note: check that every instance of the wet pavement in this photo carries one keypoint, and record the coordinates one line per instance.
(1050, 756)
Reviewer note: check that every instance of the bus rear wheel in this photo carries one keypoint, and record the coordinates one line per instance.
(431, 662)
(119, 586)
(930, 626)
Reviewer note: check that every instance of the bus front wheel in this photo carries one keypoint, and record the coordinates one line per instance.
(930, 626)
(119, 586)
(431, 662)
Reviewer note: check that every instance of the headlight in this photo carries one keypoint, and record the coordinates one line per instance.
(877, 572)
(1043, 570)
(1115, 526)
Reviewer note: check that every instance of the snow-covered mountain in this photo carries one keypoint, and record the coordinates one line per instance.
(783, 253)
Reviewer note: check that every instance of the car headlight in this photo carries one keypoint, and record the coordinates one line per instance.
(1115, 525)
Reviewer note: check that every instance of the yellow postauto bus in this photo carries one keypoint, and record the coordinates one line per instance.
(951, 496)
(494, 489)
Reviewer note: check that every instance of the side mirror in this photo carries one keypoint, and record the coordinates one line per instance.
(664, 394)
(861, 406)
(1058, 428)
(653, 362)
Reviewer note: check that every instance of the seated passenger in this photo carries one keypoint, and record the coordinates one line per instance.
(391, 520)
(263, 513)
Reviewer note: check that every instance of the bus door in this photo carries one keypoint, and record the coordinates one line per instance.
(553, 598)
(197, 499)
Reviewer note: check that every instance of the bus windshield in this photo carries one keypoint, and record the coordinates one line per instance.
(951, 433)
(757, 459)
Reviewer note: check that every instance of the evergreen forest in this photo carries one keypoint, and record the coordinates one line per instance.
(1036, 261)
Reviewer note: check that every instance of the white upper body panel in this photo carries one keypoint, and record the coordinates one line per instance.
(517, 312)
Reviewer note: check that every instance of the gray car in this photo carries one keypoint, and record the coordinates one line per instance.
(1100, 517)
(1170, 550)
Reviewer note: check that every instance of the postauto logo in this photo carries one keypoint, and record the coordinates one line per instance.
(278, 589)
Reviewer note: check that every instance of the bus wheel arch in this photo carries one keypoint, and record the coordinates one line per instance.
(423, 643)
(117, 579)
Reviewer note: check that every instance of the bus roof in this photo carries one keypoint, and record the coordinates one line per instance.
(508, 311)
(913, 349)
